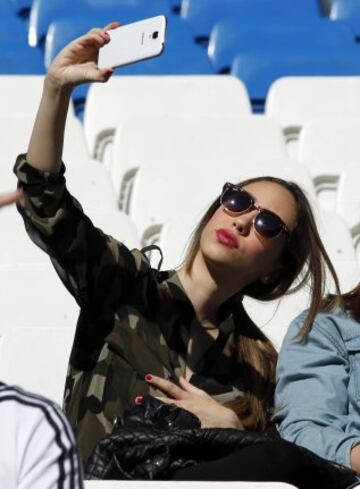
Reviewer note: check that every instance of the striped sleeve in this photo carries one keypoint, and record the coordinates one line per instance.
(38, 443)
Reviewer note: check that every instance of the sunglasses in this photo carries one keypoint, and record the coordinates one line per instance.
(268, 224)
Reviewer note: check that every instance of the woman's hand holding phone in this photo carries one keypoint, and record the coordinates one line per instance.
(77, 62)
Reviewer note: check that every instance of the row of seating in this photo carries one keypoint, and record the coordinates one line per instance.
(203, 15)
(327, 145)
(255, 44)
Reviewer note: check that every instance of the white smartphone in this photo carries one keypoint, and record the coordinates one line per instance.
(134, 42)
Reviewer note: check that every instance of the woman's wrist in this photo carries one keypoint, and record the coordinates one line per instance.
(56, 87)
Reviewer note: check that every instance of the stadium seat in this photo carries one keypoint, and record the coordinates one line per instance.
(87, 180)
(157, 95)
(44, 12)
(233, 37)
(160, 191)
(348, 11)
(348, 197)
(326, 6)
(16, 57)
(259, 69)
(212, 138)
(138, 484)
(19, 250)
(21, 62)
(20, 95)
(7, 8)
(175, 5)
(26, 305)
(202, 15)
(292, 101)
(22, 7)
(37, 359)
(16, 131)
(328, 145)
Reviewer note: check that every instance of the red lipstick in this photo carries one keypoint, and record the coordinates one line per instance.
(227, 238)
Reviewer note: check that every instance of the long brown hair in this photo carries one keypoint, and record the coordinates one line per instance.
(303, 258)
(351, 303)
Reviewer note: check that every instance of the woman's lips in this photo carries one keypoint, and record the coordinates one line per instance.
(227, 238)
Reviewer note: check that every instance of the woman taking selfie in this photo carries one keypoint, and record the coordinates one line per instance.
(318, 391)
(180, 336)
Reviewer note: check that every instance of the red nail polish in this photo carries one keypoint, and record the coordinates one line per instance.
(139, 399)
(148, 377)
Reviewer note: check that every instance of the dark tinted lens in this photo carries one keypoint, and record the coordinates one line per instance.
(268, 224)
(236, 201)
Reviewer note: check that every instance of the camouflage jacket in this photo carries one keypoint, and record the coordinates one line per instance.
(133, 319)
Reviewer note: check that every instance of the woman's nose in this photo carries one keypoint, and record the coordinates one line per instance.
(243, 223)
(242, 226)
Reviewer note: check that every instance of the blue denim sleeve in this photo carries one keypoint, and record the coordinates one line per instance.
(312, 396)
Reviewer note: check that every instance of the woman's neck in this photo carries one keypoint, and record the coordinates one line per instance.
(206, 292)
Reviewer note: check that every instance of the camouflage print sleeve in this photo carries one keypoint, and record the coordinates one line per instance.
(94, 267)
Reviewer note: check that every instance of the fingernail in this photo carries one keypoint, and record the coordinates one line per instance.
(139, 399)
(148, 377)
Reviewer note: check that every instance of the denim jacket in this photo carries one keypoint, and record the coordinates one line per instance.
(318, 386)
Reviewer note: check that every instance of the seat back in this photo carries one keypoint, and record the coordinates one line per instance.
(202, 15)
(202, 138)
(37, 359)
(259, 69)
(328, 145)
(157, 95)
(235, 36)
(160, 192)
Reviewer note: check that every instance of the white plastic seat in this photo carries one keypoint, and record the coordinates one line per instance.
(203, 138)
(34, 295)
(21, 94)
(293, 101)
(328, 145)
(348, 196)
(123, 96)
(18, 249)
(137, 484)
(88, 180)
(160, 192)
(348, 202)
(15, 130)
(37, 359)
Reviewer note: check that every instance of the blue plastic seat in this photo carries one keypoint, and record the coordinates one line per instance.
(44, 12)
(349, 12)
(258, 69)
(6, 9)
(22, 7)
(11, 28)
(202, 15)
(232, 37)
(21, 60)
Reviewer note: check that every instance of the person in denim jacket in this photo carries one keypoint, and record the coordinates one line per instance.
(318, 384)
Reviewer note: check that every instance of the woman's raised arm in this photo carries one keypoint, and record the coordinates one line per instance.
(74, 65)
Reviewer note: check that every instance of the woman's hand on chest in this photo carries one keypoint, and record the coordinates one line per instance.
(211, 413)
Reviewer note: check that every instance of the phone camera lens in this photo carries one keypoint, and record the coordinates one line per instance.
(155, 35)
